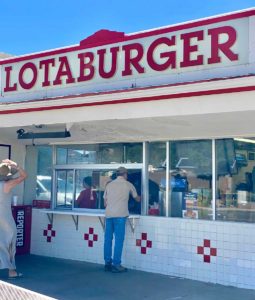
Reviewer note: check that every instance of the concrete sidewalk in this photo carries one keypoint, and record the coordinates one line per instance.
(66, 280)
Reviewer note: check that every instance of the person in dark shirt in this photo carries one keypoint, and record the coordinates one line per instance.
(87, 197)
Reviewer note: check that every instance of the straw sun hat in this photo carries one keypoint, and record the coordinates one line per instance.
(6, 171)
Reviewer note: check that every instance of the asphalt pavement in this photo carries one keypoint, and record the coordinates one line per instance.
(74, 280)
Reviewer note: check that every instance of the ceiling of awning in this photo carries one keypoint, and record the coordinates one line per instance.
(197, 117)
(141, 129)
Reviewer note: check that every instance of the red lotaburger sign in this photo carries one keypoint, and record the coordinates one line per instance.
(209, 48)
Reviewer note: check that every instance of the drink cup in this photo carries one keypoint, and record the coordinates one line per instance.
(15, 200)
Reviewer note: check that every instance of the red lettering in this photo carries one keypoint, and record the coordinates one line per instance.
(188, 49)
(224, 47)
(86, 66)
(152, 54)
(133, 60)
(46, 65)
(64, 70)
(28, 85)
(101, 54)
(171, 55)
(8, 87)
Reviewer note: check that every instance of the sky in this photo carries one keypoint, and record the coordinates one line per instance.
(30, 26)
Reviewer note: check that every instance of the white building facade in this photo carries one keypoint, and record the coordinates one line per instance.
(175, 106)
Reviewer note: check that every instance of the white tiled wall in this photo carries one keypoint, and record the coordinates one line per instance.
(170, 246)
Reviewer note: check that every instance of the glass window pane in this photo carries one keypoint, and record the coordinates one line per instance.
(76, 154)
(90, 186)
(157, 178)
(191, 179)
(86, 189)
(133, 153)
(111, 153)
(64, 188)
(44, 173)
(235, 180)
(43, 187)
(99, 154)
(61, 156)
(120, 153)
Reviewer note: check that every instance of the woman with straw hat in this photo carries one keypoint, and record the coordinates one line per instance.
(8, 230)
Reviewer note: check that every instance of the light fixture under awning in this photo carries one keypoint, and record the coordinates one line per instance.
(22, 134)
(245, 140)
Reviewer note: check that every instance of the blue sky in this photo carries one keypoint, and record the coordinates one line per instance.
(31, 26)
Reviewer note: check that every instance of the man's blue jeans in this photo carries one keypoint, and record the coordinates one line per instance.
(116, 227)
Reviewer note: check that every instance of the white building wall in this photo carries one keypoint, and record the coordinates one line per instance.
(209, 251)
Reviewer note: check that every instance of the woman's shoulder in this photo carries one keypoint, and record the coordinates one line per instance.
(84, 191)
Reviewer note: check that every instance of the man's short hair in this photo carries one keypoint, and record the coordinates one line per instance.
(121, 171)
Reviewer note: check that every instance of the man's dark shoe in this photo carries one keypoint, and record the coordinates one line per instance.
(108, 267)
(119, 269)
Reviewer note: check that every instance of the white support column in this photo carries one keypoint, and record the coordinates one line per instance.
(145, 184)
(168, 210)
(213, 179)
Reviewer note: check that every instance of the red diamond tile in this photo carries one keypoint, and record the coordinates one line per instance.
(213, 252)
(207, 251)
(200, 250)
(144, 243)
(91, 237)
(138, 243)
(144, 236)
(143, 250)
(149, 244)
(207, 258)
(207, 243)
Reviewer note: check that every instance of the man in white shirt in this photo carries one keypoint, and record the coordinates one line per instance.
(116, 198)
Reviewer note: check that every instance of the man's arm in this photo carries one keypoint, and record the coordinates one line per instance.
(137, 198)
(134, 193)
(105, 197)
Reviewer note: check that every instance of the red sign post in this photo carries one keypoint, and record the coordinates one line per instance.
(23, 217)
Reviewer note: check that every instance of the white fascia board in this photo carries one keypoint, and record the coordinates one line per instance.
(178, 91)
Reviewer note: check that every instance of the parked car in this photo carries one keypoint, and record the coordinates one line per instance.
(43, 187)
(44, 190)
